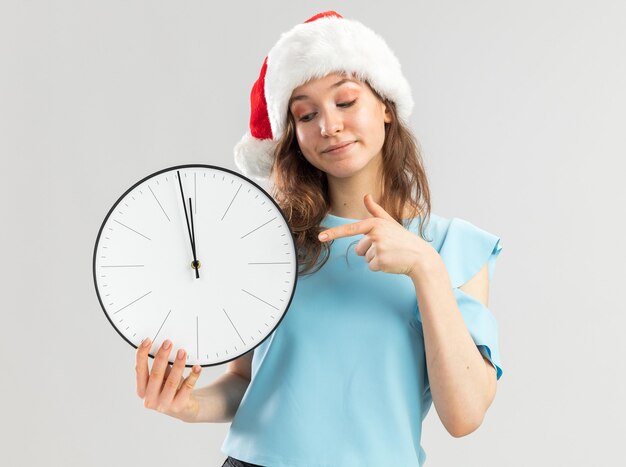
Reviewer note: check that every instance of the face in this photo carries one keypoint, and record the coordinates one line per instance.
(339, 111)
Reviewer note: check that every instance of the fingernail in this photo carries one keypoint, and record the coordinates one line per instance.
(167, 344)
(146, 342)
(323, 236)
(180, 354)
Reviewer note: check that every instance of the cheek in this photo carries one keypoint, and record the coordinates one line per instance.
(372, 128)
(308, 141)
(302, 136)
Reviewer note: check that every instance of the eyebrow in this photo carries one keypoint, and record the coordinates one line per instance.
(336, 85)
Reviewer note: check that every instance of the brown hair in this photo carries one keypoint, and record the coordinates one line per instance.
(301, 190)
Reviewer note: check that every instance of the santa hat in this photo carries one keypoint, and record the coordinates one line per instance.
(323, 44)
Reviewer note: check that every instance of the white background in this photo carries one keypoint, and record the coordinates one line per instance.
(520, 114)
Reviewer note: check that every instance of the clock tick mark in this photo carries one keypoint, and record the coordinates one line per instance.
(131, 229)
(253, 230)
(157, 200)
(168, 314)
(131, 302)
(234, 327)
(259, 299)
(231, 202)
(275, 262)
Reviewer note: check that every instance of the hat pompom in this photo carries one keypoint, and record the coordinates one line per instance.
(254, 156)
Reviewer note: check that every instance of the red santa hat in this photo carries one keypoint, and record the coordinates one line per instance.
(323, 44)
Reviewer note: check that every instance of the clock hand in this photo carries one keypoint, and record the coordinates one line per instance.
(196, 263)
(193, 248)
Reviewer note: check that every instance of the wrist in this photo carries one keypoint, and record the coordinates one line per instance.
(430, 263)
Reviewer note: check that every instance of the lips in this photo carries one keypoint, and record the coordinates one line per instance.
(337, 146)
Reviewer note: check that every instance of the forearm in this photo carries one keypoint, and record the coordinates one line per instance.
(218, 402)
(457, 374)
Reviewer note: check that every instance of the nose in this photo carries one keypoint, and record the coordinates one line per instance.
(330, 123)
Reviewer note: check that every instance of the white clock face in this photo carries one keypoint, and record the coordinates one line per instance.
(223, 305)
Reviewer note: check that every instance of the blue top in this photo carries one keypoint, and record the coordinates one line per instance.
(342, 380)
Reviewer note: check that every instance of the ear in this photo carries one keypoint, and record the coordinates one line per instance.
(387, 117)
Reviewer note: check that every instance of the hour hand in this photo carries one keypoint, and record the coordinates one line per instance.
(196, 263)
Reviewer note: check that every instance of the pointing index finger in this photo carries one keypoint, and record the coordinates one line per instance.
(346, 230)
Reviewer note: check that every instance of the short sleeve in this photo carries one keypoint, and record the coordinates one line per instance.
(464, 251)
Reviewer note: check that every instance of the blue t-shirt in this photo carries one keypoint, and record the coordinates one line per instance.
(342, 381)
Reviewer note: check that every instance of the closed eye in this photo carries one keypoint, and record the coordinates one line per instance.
(346, 104)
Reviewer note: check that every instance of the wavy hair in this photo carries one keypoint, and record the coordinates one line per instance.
(301, 189)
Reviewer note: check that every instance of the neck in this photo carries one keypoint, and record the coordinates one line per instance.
(347, 194)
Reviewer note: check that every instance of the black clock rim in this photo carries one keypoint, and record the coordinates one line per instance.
(186, 166)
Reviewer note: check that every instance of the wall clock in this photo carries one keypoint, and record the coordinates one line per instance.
(197, 254)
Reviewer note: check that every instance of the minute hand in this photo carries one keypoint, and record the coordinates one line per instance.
(188, 226)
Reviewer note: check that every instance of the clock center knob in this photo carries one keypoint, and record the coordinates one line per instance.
(196, 264)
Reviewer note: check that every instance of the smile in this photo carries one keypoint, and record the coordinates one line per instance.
(341, 149)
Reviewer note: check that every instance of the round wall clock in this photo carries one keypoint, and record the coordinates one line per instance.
(197, 254)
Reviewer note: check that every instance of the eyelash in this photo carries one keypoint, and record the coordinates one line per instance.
(341, 104)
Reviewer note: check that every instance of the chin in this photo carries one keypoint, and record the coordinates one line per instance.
(343, 172)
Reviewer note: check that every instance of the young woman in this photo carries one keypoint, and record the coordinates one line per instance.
(390, 311)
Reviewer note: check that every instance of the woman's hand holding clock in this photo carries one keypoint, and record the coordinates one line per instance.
(163, 388)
